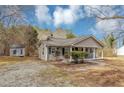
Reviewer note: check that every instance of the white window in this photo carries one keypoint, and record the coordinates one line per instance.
(53, 49)
(66, 49)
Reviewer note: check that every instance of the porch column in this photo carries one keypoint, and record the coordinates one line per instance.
(46, 53)
(84, 49)
(102, 54)
(70, 55)
(94, 53)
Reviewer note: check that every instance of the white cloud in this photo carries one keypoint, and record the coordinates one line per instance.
(105, 27)
(42, 14)
(67, 16)
(72, 14)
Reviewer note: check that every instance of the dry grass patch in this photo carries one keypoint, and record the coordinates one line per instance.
(9, 58)
(115, 58)
(105, 77)
(91, 74)
(99, 77)
(6, 60)
(72, 67)
(55, 77)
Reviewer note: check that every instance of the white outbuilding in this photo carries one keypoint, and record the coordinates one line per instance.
(17, 50)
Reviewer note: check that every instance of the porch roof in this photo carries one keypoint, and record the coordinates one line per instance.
(68, 42)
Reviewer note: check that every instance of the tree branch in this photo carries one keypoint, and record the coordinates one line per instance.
(108, 18)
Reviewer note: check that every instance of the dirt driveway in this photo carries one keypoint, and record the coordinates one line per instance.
(30, 72)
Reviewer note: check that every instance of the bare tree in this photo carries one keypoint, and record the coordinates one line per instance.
(108, 13)
(104, 16)
(11, 15)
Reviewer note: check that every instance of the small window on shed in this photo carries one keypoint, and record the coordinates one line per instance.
(14, 51)
(21, 51)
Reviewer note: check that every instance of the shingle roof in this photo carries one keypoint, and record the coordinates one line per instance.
(64, 42)
(17, 46)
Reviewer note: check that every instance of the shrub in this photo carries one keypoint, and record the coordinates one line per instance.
(78, 55)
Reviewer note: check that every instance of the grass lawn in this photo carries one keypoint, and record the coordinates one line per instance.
(30, 71)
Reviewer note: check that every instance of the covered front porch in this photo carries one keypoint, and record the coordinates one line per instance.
(61, 53)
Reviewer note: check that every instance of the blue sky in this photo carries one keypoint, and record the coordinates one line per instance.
(78, 19)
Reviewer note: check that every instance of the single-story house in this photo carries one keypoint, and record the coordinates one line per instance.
(17, 50)
(58, 48)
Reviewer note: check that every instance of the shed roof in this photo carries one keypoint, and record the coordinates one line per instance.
(17, 46)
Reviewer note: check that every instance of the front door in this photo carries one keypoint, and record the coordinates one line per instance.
(63, 51)
(58, 51)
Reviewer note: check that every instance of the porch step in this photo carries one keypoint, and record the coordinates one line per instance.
(94, 60)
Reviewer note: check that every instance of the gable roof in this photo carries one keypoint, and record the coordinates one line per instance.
(68, 42)
(94, 38)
